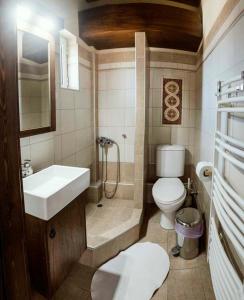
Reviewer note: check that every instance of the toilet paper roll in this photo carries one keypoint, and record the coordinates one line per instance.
(203, 168)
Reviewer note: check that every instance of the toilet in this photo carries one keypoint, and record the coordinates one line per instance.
(168, 191)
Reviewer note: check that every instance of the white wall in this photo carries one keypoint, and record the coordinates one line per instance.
(211, 10)
(225, 61)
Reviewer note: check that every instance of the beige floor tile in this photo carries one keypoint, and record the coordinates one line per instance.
(104, 212)
(118, 203)
(185, 284)
(69, 291)
(106, 221)
(100, 227)
(187, 279)
(116, 213)
(207, 284)
(77, 285)
(155, 217)
(156, 234)
(124, 214)
(95, 241)
(91, 222)
(81, 276)
(161, 293)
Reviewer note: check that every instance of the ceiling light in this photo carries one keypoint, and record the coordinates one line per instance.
(23, 12)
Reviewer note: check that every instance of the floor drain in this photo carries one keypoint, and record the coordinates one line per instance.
(99, 205)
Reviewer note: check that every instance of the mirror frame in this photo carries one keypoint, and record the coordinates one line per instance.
(52, 82)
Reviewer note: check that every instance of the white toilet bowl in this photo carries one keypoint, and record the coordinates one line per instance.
(169, 194)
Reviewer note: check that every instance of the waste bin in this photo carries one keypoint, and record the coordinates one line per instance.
(189, 228)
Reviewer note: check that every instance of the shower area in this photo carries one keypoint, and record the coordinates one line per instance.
(116, 195)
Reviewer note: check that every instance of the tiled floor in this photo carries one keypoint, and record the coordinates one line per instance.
(106, 222)
(187, 279)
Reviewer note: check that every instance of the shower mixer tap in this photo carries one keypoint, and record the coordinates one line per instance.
(102, 141)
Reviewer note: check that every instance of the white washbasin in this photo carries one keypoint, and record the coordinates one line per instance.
(47, 192)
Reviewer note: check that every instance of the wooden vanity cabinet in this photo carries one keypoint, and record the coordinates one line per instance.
(54, 246)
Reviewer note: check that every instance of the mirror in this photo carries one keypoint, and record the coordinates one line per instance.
(36, 83)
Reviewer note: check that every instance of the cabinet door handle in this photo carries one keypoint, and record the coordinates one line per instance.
(52, 233)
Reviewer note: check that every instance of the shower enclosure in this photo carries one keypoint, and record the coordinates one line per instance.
(120, 116)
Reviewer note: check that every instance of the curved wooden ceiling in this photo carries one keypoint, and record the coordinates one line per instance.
(114, 26)
(194, 3)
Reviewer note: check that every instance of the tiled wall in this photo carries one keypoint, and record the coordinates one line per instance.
(71, 143)
(174, 65)
(116, 101)
(116, 114)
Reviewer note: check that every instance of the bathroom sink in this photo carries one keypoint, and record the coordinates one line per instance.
(47, 192)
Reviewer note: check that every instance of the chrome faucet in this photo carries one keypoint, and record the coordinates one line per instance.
(26, 168)
(103, 141)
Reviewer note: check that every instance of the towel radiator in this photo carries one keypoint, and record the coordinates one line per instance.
(227, 205)
(226, 282)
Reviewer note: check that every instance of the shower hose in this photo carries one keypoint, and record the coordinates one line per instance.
(110, 194)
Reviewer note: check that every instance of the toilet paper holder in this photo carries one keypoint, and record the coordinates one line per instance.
(207, 173)
(204, 170)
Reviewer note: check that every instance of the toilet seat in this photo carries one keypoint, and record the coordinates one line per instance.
(168, 191)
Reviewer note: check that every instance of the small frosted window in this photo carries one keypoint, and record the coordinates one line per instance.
(69, 61)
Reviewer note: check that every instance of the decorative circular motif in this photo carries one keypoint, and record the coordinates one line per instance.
(171, 114)
(172, 87)
(172, 101)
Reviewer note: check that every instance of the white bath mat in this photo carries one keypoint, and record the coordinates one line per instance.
(135, 274)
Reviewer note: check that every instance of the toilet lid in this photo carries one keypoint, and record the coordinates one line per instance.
(168, 190)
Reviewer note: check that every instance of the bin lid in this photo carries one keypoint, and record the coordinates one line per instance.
(188, 217)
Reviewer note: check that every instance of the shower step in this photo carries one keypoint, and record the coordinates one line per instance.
(110, 229)
(94, 257)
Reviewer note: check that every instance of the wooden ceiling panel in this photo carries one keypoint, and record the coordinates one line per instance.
(114, 26)
(195, 3)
